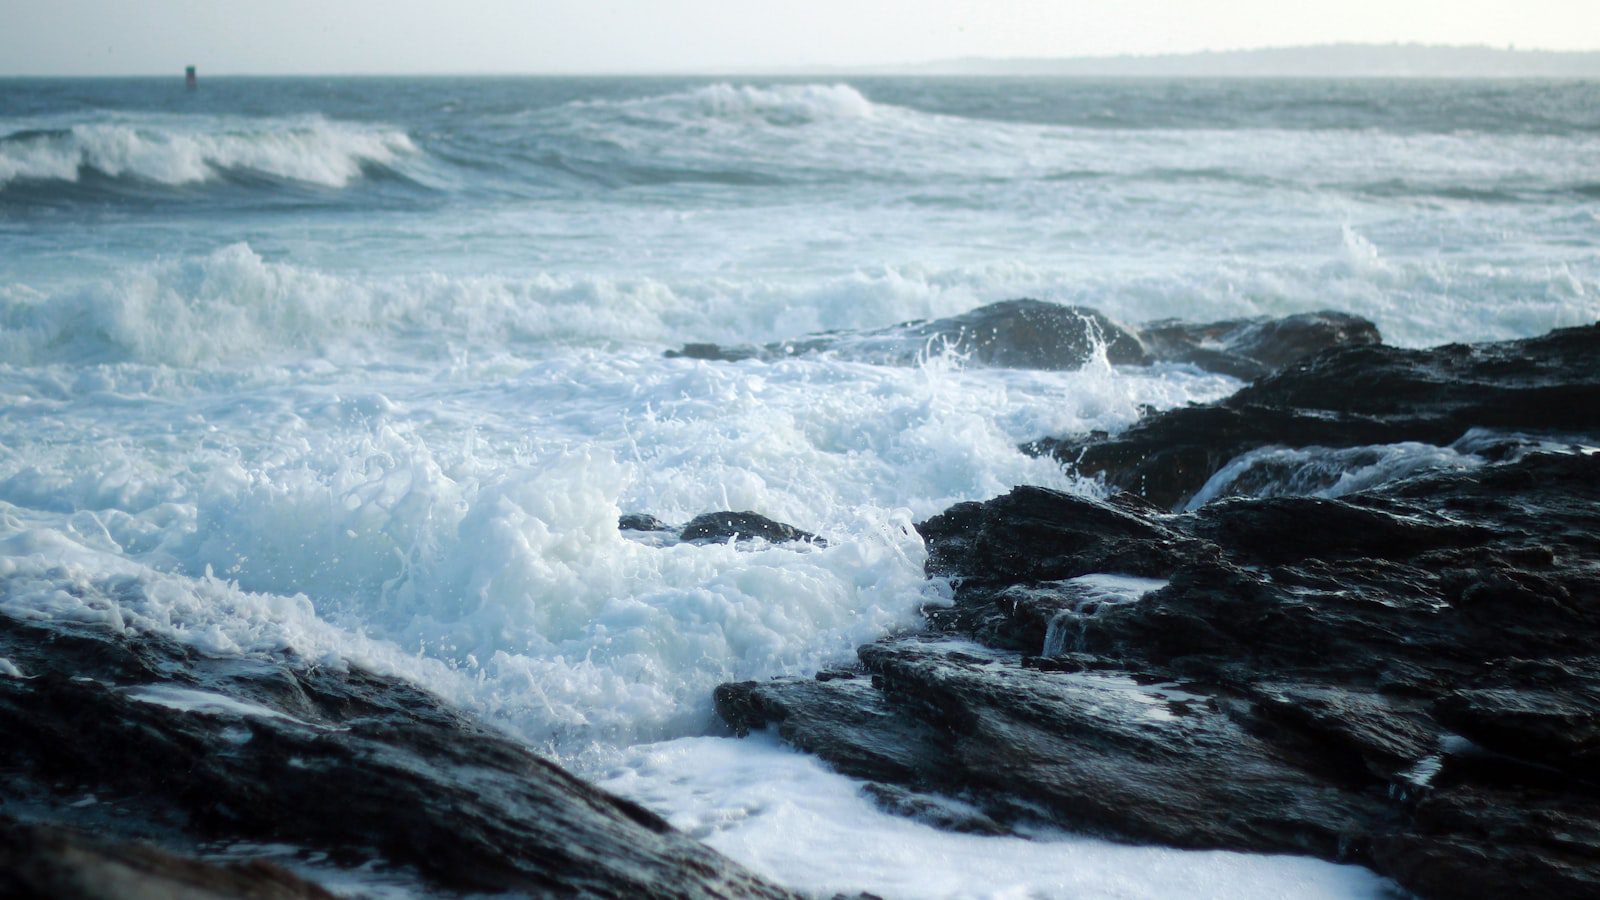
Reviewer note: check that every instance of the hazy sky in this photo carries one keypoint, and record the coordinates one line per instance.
(57, 37)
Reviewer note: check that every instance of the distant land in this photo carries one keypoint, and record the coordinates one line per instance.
(1319, 61)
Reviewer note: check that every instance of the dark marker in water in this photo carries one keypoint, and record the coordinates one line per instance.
(188, 78)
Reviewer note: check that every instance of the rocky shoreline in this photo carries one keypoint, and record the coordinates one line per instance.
(112, 738)
(1240, 646)
(1403, 676)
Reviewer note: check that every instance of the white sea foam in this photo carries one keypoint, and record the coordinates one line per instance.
(232, 307)
(786, 816)
(177, 150)
(473, 521)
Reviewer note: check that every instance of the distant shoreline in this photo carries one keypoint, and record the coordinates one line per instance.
(1314, 61)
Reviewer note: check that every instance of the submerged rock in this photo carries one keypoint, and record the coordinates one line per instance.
(1404, 676)
(1033, 334)
(134, 736)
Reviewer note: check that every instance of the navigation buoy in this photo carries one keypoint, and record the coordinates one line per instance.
(188, 78)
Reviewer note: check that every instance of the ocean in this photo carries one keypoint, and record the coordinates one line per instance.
(366, 369)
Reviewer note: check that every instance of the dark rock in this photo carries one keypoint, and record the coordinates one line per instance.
(849, 722)
(38, 862)
(1251, 348)
(714, 528)
(186, 749)
(1023, 334)
(934, 809)
(717, 352)
(720, 527)
(1404, 677)
(1095, 752)
(641, 522)
(1019, 334)
(1355, 396)
(1033, 334)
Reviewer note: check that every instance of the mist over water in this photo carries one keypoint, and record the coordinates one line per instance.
(366, 369)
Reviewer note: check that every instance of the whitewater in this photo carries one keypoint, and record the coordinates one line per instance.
(367, 370)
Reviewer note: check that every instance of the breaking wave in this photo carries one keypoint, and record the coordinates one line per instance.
(233, 307)
(174, 151)
(794, 104)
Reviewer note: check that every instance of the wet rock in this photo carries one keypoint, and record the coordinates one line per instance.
(717, 352)
(38, 861)
(714, 528)
(1096, 752)
(641, 522)
(933, 809)
(133, 735)
(721, 527)
(1356, 396)
(1251, 348)
(1403, 677)
(1033, 334)
(1025, 334)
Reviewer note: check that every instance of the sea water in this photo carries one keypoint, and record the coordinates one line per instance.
(366, 370)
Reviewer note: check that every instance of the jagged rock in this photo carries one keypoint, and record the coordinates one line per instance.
(1355, 396)
(184, 749)
(1404, 677)
(1033, 334)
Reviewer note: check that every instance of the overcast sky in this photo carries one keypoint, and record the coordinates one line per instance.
(93, 37)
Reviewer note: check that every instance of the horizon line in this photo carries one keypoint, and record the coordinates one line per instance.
(914, 68)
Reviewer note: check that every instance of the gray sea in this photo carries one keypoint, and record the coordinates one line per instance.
(366, 369)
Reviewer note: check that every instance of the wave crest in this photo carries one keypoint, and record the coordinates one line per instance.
(783, 105)
(231, 306)
(177, 151)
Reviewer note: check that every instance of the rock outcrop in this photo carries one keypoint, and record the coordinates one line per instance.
(1356, 396)
(1033, 334)
(135, 736)
(1403, 676)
